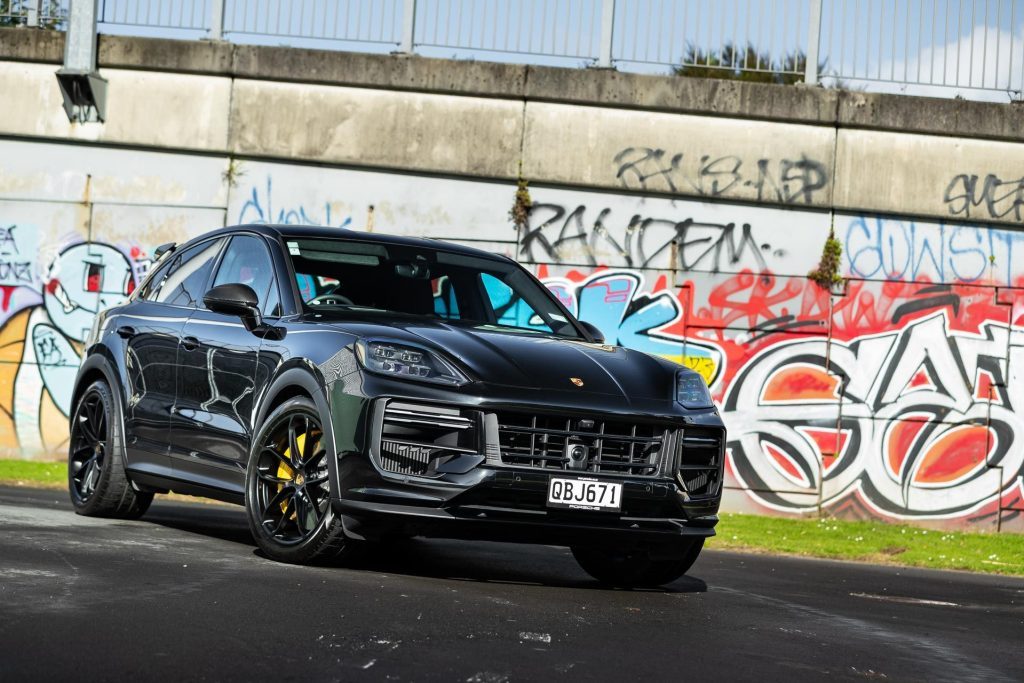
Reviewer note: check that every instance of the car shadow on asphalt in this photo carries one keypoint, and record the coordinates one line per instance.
(492, 562)
(223, 522)
(455, 560)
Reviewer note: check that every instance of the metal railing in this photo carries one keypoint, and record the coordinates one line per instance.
(34, 13)
(963, 44)
(925, 46)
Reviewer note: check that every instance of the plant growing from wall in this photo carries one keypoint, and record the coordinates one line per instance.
(233, 172)
(519, 214)
(826, 275)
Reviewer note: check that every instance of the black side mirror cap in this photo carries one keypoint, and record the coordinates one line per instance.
(593, 331)
(235, 299)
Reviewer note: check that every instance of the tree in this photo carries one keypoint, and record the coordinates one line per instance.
(739, 63)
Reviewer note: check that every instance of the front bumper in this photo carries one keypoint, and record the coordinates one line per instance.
(495, 501)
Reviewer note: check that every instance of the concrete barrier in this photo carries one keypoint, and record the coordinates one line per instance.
(679, 216)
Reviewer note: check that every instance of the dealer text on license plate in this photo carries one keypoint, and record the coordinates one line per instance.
(584, 494)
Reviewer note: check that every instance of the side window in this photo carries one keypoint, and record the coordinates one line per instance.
(152, 285)
(510, 309)
(247, 261)
(186, 279)
(445, 304)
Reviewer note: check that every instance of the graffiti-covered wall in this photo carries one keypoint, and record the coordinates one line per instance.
(892, 397)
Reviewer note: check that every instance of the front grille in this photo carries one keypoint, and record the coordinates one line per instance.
(579, 444)
(700, 460)
(415, 438)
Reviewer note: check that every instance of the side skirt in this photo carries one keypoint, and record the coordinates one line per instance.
(159, 484)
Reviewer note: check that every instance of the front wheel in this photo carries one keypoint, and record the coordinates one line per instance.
(287, 488)
(637, 568)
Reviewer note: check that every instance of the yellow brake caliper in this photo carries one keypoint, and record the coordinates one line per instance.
(286, 472)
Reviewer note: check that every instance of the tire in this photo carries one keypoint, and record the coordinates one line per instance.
(97, 481)
(637, 569)
(287, 498)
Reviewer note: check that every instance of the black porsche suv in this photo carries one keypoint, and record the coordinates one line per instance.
(351, 388)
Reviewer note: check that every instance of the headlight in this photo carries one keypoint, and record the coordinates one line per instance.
(692, 391)
(408, 362)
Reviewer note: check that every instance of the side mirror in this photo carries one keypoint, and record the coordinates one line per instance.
(593, 331)
(235, 299)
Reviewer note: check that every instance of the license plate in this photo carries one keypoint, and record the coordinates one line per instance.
(584, 494)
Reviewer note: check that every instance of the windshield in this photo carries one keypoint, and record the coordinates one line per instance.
(341, 275)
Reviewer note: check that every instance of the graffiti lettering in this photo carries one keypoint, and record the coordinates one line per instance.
(903, 250)
(787, 181)
(557, 235)
(617, 303)
(999, 198)
(925, 417)
(259, 208)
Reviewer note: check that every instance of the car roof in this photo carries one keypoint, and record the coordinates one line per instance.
(310, 231)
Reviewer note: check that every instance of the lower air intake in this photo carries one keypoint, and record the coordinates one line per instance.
(415, 438)
(700, 461)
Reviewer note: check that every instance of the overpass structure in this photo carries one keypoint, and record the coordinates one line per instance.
(681, 216)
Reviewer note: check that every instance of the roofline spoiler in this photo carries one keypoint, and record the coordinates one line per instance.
(159, 252)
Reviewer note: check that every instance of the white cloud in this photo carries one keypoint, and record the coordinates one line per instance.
(985, 64)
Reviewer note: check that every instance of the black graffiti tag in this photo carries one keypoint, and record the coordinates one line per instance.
(558, 235)
(787, 181)
(1000, 198)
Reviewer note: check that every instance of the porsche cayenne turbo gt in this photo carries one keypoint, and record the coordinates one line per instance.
(349, 388)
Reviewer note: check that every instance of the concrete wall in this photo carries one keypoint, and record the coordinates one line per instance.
(680, 216)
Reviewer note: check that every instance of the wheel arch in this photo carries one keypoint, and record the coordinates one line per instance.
(290, 383)
(99, 366)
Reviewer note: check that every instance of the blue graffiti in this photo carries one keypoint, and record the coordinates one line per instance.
(614, 302)
(259, 209)
(893, 249)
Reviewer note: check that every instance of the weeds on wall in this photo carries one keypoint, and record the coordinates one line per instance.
(519, 214)
(826, 275)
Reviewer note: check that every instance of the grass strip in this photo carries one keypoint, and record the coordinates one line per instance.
(49, 475)
(875, 542)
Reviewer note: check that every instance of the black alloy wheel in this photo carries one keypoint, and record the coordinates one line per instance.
(288, 488)
(89, 445)
(97, 480)
(292, 491)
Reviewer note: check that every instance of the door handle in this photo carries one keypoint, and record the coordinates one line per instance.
(190, 343)
(126, 331)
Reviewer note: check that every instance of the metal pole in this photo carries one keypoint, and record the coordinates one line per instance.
(604, 61)
(34, 9)
(813, 44)
(217, 20)
(408, 27)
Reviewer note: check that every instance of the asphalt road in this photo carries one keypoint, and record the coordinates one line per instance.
(183, 595)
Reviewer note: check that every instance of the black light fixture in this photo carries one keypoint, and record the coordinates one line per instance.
(84, 90)
(85, 95)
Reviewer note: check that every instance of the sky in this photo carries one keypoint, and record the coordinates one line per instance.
(967, 48)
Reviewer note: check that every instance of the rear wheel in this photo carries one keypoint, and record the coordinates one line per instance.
(97, 481)
(638, 568)
(287, 491)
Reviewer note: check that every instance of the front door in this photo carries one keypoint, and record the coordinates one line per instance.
(212, 421)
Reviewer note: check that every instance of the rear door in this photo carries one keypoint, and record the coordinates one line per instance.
(152, 327)
(211, 427)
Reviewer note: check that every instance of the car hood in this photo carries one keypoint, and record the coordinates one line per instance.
(532, 361)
